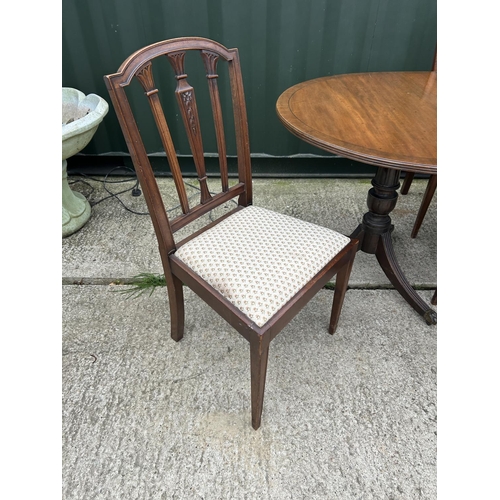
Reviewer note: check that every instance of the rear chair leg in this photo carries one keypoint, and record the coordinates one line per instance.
(426, 201)
(258, 369)
(341, 283)
(176, 302)
(407, 182)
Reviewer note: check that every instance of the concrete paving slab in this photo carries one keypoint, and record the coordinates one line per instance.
(117, 244)
(345, 417)
(349, 416)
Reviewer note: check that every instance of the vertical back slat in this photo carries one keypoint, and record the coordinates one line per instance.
(189, 111)
(145, 77)
(210, 60)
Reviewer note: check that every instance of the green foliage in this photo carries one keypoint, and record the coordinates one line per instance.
(142, 283)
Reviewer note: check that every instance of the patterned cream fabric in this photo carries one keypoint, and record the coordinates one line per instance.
(259, 259)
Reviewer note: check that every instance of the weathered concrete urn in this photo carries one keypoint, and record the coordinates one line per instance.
(81, 116)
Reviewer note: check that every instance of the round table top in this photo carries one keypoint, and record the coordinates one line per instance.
(386, 119)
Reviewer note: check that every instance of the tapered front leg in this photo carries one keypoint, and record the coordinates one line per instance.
(258, 368)
(341, 283)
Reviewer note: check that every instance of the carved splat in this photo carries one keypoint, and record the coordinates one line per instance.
(187, 99)
(145, 77)
(210, 60)
(177, 61)
(189, 111)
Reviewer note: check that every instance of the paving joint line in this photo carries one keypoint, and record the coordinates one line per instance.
(67, 281)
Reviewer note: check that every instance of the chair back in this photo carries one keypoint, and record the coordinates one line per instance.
(140, 66)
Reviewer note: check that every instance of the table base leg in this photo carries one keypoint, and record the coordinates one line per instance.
(374, 235)
(387, 260)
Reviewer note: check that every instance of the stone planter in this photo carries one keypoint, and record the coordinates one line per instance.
(81, 116)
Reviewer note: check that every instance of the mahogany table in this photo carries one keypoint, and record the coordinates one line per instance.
(383, 119)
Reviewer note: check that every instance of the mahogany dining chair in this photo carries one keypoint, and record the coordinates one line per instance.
(255, 267)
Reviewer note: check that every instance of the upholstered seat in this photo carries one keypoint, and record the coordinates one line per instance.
(255, 258)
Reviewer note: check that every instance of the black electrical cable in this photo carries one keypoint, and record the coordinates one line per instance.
(135, 191)
(111, 194)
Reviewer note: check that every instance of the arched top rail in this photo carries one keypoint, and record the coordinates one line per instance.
(134, 62)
